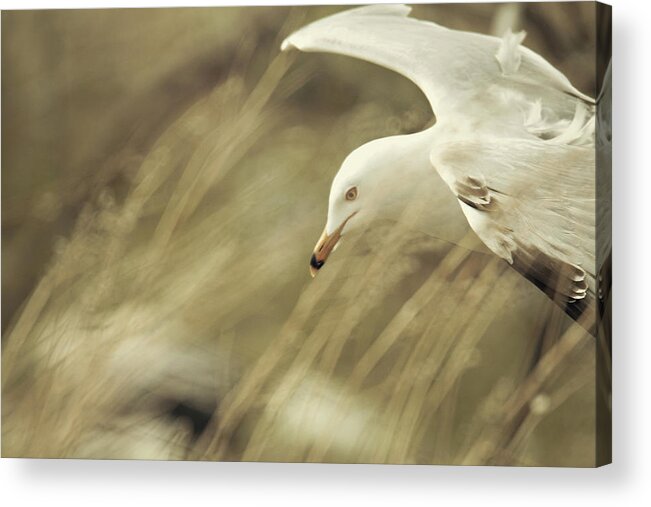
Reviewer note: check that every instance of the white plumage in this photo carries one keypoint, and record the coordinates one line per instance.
(513, 141)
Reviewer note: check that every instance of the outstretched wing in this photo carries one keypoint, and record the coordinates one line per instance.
(459, 72)
(533, 204)
(516, 139)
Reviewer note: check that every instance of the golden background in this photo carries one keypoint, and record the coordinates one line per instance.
(165, 175)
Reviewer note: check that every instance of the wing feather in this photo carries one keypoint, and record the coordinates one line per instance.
(533, 204)
(459, 72)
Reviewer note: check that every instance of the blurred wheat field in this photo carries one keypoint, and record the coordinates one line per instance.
(165, 175)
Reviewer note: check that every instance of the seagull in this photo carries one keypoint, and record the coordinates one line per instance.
(514, 141)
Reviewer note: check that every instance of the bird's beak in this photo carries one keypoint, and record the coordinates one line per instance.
(325, 245)
(322, 250)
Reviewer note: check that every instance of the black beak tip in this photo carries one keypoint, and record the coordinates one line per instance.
(316, 264)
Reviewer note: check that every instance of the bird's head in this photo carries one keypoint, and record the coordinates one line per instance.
(374, 181)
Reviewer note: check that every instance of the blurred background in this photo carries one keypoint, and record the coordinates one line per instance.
(165, 175)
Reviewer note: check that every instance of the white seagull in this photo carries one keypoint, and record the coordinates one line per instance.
(513, 141)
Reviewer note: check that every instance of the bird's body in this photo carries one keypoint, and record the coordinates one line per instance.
(513, 141)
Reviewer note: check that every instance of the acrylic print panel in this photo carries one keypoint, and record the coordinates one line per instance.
(166, 174)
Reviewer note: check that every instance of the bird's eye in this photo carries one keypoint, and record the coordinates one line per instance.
(351, 194)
